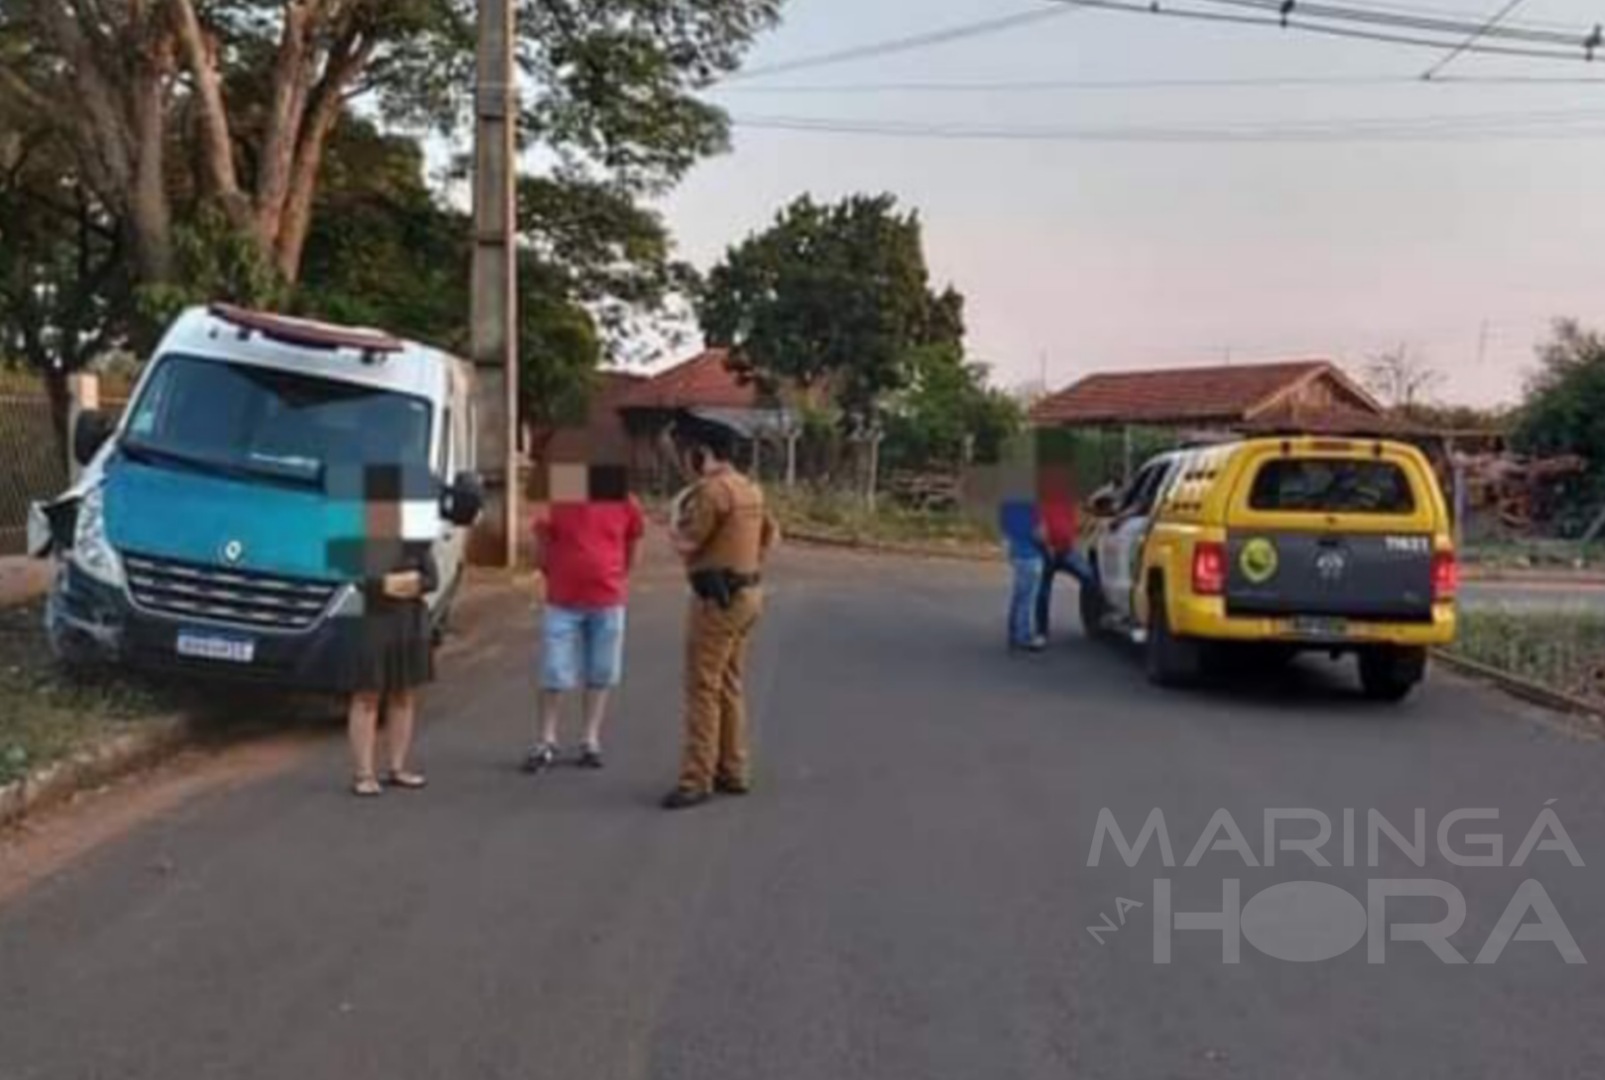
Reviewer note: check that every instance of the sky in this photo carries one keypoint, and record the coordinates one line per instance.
(1081, 256)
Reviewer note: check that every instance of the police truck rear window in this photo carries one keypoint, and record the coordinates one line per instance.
(1332, 486)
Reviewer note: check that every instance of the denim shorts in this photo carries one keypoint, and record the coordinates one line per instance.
(582, 646)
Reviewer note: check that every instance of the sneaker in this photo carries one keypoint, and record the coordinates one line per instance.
(731, 787)
(684, 799)
(1036, 644)
(541, 758)
(590, 757)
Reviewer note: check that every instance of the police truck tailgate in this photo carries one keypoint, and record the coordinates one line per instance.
(1357, 576)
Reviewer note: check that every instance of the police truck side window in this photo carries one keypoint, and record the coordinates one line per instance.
(1333, 486)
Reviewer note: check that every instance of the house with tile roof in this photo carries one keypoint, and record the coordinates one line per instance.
(709, 386)
(1310, 395)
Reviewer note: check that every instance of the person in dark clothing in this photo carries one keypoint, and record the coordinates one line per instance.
(394, 654)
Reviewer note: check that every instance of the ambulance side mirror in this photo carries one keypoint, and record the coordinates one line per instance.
(89, 434)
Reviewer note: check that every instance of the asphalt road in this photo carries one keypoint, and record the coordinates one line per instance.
(907, 895)
(1581, 598)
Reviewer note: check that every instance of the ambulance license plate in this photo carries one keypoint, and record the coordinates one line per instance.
(208, 646)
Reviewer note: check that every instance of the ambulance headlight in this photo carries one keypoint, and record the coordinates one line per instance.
(91, 550)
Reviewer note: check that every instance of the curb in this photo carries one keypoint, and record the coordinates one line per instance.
(98, 764)
(1525, 689)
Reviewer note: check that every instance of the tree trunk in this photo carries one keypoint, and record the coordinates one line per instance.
(346, 60)
(60, 398)
(149, 211)
(216, 145)
(297, 219)
(292, 82)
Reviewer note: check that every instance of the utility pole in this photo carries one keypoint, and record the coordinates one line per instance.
(494, 315)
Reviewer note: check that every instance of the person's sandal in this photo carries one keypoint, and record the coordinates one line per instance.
(407, 781)
(366, 787)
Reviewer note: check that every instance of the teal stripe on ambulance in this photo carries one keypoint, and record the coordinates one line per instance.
(183, 514)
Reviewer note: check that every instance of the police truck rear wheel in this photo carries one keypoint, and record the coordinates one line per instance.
(1389, 674)
(1169, 660)
(1093, 610)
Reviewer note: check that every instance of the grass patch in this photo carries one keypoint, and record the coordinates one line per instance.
(1563, 650)
(44, 716)
(847, 518)
(1521, 554)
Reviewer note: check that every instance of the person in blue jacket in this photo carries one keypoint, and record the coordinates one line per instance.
(1017, 522)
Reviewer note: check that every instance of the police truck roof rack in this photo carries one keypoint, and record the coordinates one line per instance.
(373, 345)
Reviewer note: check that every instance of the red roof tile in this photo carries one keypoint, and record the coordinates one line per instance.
(705, 380)
(1179, 394)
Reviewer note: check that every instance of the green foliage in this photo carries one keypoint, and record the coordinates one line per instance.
(946, 405)
(63, 283)
(595, 268)
(616, 80)
(559, 353)
(835, 296)
(214, 261)
(593, 243)
(1564, 409)
(383, 252)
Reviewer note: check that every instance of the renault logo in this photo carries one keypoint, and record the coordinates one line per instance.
(233, 552)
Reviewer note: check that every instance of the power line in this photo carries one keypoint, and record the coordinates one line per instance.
(1423, 31)
(1473, 127)
(1483, 31)
(1285, 12)
(1331, 31)
(888, 47)
(1030, 86)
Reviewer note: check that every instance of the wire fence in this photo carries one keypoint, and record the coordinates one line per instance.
(32, 464)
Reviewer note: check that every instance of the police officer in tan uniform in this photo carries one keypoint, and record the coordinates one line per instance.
(723, 534)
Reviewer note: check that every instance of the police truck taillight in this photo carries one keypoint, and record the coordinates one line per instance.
(1445, 576)
(1209, 568)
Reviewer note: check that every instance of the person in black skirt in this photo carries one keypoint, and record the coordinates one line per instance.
(394, 654)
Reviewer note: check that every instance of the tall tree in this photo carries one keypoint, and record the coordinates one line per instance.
(834, 295)
(1563, 411)
(250, 92)
(1564, 407)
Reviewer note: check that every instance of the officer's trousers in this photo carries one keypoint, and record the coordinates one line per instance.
(715, 709)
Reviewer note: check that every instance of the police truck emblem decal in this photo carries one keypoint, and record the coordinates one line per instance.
(1259, 560)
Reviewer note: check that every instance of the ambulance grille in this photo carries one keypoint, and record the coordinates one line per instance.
(237, 597)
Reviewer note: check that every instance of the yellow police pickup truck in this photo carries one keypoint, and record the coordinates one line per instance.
(1278, 545)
